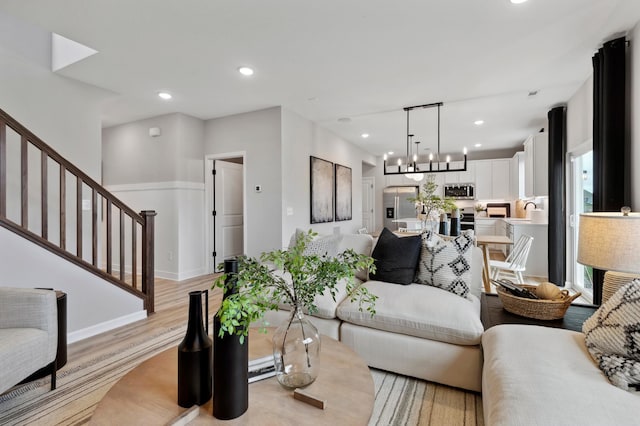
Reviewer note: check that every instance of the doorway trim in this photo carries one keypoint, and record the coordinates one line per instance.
(208, 201)
(370, 180)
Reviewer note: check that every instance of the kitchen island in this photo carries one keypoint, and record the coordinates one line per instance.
(514, 228)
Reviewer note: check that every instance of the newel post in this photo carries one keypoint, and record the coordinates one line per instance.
(148, 258)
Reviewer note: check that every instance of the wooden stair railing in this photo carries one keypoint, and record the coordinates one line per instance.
(28, 209)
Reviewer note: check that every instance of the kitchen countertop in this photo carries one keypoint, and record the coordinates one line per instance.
(511, 220)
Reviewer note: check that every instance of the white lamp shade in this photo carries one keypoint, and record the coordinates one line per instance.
(610, 241)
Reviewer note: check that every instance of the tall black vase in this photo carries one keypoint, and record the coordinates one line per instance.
(230, 362)
(194, 356)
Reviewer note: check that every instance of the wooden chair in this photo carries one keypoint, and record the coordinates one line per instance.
(516, 262)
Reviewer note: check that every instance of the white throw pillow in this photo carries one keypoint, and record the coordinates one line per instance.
(612, 336)
(323, 246)
(446, 264)
(320, 245)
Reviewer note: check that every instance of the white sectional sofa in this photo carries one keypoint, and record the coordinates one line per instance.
(545, 376)
(418, 330)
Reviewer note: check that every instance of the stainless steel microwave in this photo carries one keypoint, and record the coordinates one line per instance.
(460, 191)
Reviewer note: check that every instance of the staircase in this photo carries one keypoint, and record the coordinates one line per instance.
(49, 201)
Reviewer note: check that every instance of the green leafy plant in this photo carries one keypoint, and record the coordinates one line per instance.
(292, 277)
(430, 204)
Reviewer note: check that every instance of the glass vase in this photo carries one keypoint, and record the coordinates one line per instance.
(296, 351)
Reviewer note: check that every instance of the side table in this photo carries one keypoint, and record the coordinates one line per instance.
(492, 313)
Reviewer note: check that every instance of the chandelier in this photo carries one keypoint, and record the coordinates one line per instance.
(414, 164)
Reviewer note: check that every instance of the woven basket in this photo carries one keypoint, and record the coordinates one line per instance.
(536, 308)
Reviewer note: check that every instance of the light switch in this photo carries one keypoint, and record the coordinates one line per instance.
(289, 211)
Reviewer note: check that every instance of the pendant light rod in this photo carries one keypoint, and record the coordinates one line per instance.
(439, 137)
(408, 138)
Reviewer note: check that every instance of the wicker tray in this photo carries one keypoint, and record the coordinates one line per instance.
(536, 308)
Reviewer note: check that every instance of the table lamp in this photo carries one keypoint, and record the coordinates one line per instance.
(610, 241)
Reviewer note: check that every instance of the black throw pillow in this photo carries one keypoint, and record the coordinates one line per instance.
(396, 257)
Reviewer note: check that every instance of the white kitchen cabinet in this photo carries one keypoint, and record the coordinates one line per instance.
(486, 226)
(501, 229)
(516, 172)
(492, 179)
(500, 179)
(483, 180)
(536, 165)
(537, 262)
(467, 176)
(399, 180)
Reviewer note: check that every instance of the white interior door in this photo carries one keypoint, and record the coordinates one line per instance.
(228, 210)
(368, 203)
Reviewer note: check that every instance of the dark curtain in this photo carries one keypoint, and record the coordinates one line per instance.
(611, 183)
(557, 231)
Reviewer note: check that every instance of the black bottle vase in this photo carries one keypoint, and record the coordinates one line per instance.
(194, 356)
(230, 362)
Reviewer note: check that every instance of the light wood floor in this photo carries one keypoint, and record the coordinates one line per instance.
(172, 301)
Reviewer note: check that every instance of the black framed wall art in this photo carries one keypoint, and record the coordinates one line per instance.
(343, 193)
(322, 187)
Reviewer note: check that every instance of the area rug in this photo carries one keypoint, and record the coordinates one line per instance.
(399, 400)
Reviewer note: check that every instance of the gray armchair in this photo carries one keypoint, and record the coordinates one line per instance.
(28, 334)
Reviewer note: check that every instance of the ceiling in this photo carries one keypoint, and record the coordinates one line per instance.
(359, 60)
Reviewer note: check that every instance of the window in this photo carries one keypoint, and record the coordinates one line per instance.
(580, 194)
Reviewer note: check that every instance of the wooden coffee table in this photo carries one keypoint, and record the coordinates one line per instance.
(148, 394)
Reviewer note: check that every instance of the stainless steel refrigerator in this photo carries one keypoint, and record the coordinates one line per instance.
(396, 206)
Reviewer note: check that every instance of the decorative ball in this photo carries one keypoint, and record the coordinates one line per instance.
(548, 291)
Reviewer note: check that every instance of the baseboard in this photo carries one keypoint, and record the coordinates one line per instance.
(185, 275)
(167, 275)
(192, 274)
(93, 330)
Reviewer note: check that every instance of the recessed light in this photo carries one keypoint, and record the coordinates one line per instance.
(390, 152)
(478, 145)
(245, 71)
(165, 95)
(365, 135)
(478, 122)
(517, 1)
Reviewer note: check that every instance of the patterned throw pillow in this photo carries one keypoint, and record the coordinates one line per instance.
(323, 246)
(446, 264)
(612, 336)
(319, 245)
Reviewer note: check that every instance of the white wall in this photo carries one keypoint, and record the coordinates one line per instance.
(257, 133)
(634, 70)
(93, 305)
(301, 139)
(66, 115)
(164, 174)
(63, 113)
(580, 116)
